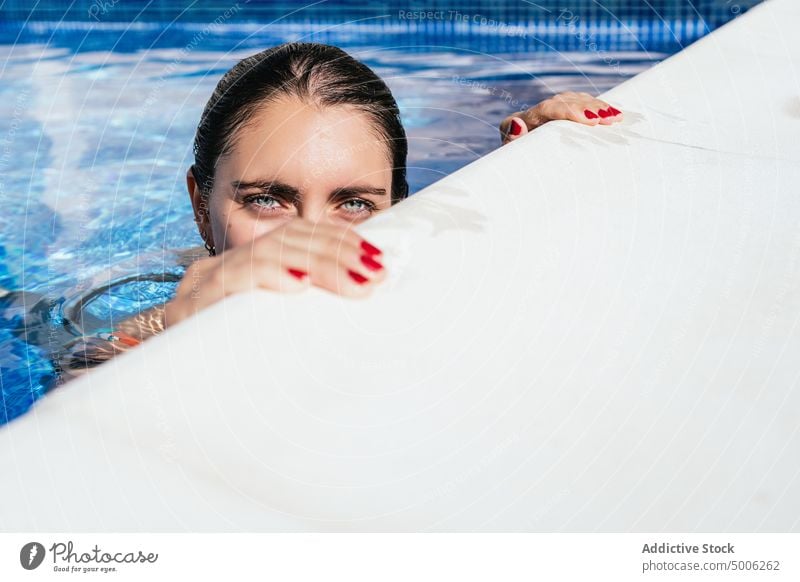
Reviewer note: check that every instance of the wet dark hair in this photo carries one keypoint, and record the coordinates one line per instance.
(317, 73)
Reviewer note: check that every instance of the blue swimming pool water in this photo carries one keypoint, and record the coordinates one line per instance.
(96, 126)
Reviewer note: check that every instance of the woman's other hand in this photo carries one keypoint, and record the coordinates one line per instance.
(287, 259)
(578, 107)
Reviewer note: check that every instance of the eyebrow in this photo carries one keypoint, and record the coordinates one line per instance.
(292, 194)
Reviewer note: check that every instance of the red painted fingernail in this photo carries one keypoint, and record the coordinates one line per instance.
(590, 114)
(126, 339)
(370, 249)
(516, 128)
(371, 263)
(603, 113)
(357, 277)
(297, 273)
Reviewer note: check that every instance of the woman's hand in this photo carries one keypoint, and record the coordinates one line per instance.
(288, 259)
(578, 107)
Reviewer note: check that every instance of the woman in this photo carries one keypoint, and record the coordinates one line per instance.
(297, 145)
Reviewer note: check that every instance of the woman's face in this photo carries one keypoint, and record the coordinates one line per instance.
(295, 159)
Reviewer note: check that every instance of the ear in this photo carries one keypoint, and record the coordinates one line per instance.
(200, 207)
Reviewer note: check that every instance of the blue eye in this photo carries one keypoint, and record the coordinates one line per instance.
(264, 204)
(256, 200)
(365, 206)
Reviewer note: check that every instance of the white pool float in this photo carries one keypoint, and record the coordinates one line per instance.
(589, 329)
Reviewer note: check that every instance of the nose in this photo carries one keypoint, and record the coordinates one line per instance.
(314, 210)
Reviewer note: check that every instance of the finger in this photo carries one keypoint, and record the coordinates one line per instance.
(584, 114)
(608, 114)
(340, 268)
(249, 272)
(606, 117)
(316, 240)
(299, 246)
(512, 128)
(324, 235)
(350, 257)
(317, 246)
(617, 115)
(342, 278)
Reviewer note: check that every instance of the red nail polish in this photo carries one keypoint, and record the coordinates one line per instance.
(516, 128)
(370, 249)
(371, 263)
(614, 111)
(357, 277)
(126, 339)
(603, 113)
(297, 273)
(590, 114)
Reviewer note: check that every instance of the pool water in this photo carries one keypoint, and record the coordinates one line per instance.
(96, 126)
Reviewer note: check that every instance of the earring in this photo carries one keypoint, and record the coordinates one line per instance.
(212, 250)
